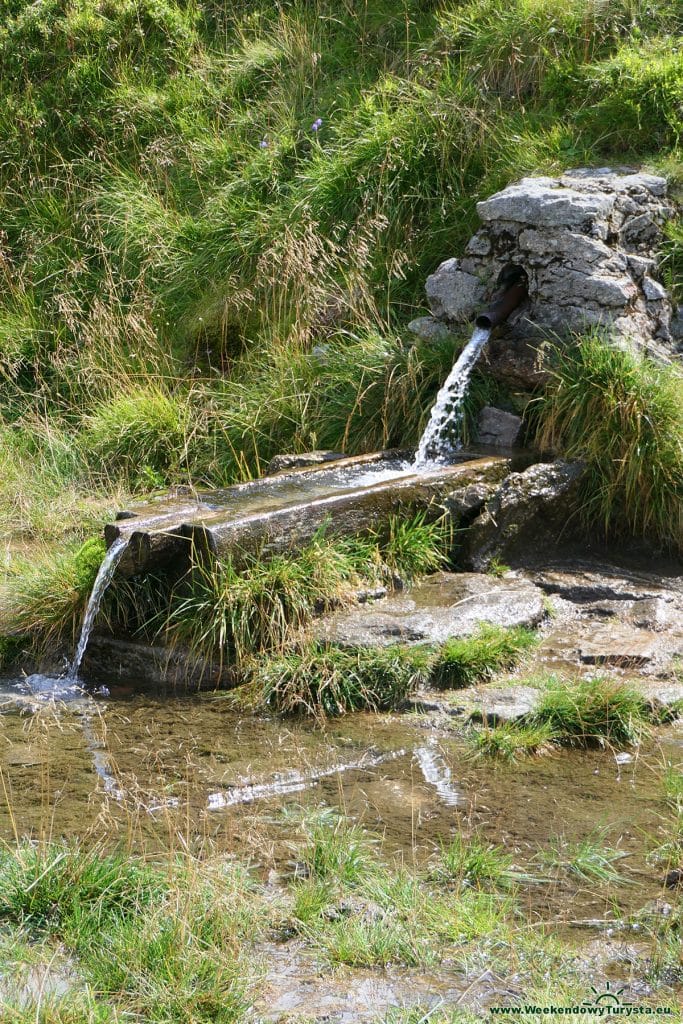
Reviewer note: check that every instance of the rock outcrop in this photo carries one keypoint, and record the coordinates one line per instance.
(588, 242)
(528, 510)
(443, 606)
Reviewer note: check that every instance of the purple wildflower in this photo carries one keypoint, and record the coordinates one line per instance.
(317, 124)
(263, 144)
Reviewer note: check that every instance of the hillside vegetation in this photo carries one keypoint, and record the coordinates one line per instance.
(216, 219)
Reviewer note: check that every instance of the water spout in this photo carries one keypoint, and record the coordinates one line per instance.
(103, 579)
(500, 309)
(440, 440)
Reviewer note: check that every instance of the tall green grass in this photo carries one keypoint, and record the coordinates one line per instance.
(319, 680)
(596, 711)
(462, 661)
(623, 415)
(194, 278)
(46, 595)
(253, 603)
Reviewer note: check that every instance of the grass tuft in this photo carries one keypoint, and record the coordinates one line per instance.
(474, 862)
(590, 859)
(623, 416)
(476, 658)
(61, 887)
(511, 741)
(252, 604)
(317, 679)
(47, 595)
(593, 711)
(673, 786)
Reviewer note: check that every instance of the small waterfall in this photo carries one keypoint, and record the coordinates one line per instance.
(437, 442)
(103, 579)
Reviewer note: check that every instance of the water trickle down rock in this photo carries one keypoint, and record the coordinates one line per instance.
(588, 242)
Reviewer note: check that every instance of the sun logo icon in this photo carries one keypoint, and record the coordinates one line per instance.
(606, 997)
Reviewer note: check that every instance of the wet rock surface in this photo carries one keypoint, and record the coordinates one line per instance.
(613, 617)
(296, 985)
(600, 619)
(280, 463)
(443, 606)
(588, 242)
(120, 664)
(497, 705)
(529, 510)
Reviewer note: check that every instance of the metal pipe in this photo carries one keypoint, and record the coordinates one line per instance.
(500, 310)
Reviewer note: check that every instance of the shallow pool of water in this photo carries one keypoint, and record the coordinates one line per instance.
(159, 774)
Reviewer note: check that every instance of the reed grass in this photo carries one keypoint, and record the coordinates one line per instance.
(623, 415)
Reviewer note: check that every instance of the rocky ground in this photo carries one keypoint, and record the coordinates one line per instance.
(593, 616)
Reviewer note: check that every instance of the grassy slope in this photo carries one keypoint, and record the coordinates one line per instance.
(177, 239)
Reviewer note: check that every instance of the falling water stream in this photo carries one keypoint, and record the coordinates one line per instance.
(102, 581)
(439, 440)
(68, 688)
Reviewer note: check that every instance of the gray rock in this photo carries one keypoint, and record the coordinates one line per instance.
(510, 704)
(653, 290)
(529, 510)
(665, 699)
(478, 245)
(676, 326)
(468, 501)
(618, 645)
(544, 201)
(430, 329)
(653, 613)
(497, 427)
(588, 243)
(443, 606)
(282, 462)
(453, 295)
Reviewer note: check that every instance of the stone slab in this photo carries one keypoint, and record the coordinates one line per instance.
(496, 706)
(443, 606)
(619, 645)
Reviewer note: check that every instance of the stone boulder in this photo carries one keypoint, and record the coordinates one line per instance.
(428, 328)
(528, 511)
(443, 606)
(454, 295)
(588, 242)
(499, 428)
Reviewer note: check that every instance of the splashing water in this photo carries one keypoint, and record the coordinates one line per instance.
(439, 440)
(104, 577)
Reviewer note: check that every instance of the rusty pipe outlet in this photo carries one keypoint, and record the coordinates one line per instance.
(504, 304)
